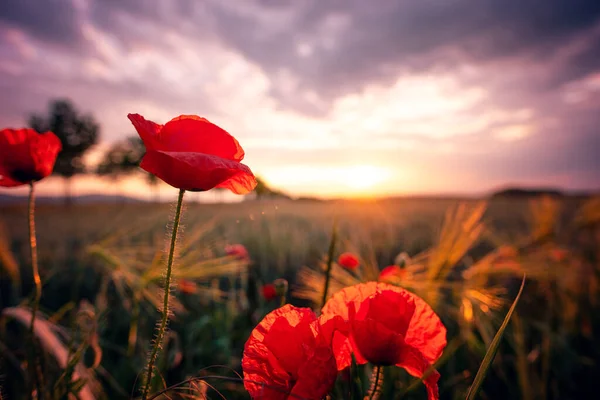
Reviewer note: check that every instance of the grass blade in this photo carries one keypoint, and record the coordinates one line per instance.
(493, 349)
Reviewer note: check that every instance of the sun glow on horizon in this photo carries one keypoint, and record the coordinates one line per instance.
(330, 180)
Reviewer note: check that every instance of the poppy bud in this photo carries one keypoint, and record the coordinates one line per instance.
(187, 287)
(281, 287)
(238, 251)
(391, 273)
(402, 259)
(348, 261)
(269, 292)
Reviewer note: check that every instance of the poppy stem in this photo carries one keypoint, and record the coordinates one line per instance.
(329, 262)
(35, 305)
(375, 389)
(165, 311)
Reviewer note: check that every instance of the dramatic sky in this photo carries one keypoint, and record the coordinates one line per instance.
(331, 97)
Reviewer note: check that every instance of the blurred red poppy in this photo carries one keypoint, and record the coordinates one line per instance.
(26, 156)
(187, 287)
(348, 261)
(191, 153)
(391, 273)
(238, 251)
(269, 291)
(289, 353)
(387, 325)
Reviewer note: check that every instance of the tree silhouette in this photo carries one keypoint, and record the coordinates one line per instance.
(123, 158)
(77, 133)
(262, 190)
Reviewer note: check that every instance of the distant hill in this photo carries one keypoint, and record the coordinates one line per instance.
(517, 192)
(7, 199)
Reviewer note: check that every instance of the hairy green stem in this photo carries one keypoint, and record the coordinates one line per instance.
(375, 384)
(329, 263)
(34, 260)
(165, 311)
(35, 305)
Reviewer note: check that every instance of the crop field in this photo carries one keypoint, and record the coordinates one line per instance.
(102, 269)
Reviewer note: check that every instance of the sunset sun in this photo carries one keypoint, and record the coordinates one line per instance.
(362, 177)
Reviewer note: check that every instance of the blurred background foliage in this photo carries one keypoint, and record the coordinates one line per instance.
(102, 271)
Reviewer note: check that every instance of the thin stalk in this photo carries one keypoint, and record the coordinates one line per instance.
(329, 263)
(34, 260)
(165, 311)
(374, 392)
(37, 373)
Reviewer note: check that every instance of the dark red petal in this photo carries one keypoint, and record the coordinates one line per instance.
(26, 155)
(390, 308)
(148, 131)
(415, 364)
(5, 181)
(371, 339)
(191, 133)
(15, 155)
(375, 343)
(196, 171)
(44, 149)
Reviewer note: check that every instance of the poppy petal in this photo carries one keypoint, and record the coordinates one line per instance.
(44, 149)
(240, 182)
(288, 354)
(317, 375)
(391, 308)
(264, 379)
(426, 331)
(295, 327)
(335, 330)
(375, 342)
(15, 154)
(191, 133)
(5, 181)
(386, 313)
(197, 171)
(416, 364)
(148, 131)
(26, 156)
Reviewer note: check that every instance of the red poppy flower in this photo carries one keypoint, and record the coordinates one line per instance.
(238, 251)
(391, 273)
(289, 353)
(269, 291)
(187, 287)
(387, 325)
(193, 154)
(26, 156)
(348, 261)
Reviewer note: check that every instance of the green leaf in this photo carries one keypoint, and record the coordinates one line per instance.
(493, 349)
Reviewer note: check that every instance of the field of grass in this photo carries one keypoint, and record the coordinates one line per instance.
(102, 269)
